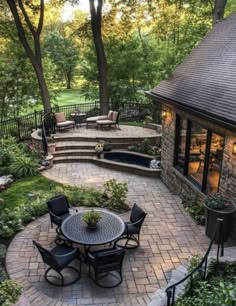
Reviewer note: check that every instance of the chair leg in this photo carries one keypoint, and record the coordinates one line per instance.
(62, 279)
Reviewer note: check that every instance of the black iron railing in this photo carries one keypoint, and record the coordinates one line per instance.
(22, 127)
(201, 267)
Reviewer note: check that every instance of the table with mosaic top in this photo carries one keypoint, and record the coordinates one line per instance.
(109, 228)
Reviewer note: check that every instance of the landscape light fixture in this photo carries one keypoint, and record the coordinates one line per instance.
(234, 148)
(164, 114)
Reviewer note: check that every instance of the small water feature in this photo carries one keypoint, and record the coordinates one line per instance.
(129, 158)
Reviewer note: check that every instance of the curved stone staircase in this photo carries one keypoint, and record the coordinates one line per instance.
(74, 148)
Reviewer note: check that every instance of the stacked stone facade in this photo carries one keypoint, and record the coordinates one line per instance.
(180, 184)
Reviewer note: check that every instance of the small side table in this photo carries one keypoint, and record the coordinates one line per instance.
(78, 118)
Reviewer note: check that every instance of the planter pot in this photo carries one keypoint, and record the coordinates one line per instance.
(92, 226)
(211, 216)
(51, 148)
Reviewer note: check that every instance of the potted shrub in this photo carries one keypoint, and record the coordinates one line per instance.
(91, 218)
(216, 206)
(99, 148)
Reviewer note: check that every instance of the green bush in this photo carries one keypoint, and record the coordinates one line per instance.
(144, 147)
(23, 166)
(117, 194)
(216, 201)
(218, 289)
(196, 209)
(9, 292)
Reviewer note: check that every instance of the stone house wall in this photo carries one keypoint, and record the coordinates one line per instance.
(180, 184)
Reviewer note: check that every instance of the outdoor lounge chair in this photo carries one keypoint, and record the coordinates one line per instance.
(109, 122)
(58, 259)
(130, 236)
(58, 207)
(105, 266)
(62, 123)
(93, 120)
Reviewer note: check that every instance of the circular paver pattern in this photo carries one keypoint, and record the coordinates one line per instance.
(168, 238)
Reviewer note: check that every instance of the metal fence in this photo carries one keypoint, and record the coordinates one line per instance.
(22, 126)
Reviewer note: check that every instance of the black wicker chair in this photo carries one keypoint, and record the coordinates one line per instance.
(58, 259)
(105, 266)
(130, 236)
(58, 207)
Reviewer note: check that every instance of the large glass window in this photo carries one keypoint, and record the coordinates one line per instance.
(199, 154)
(215, 161)
(181, 143)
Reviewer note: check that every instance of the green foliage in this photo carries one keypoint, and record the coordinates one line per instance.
(64, 54)
(216, 201)
(10, 290)
(117, 194)
(92, 217)
(3, 251)
(144, 147)
(217, 289)
(23, 166)
(196, 209)
(18, 159)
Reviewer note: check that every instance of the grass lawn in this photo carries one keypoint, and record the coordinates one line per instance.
(132, 123)
(70, 96)
(16, 194)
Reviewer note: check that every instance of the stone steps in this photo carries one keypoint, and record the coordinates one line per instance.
(113, 139)
(77, 152)
(82, 145)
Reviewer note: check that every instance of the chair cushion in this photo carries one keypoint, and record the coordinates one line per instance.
(110, 114)
(63, 261)
(92, 119)
(115, 116)
(105, 122)
(65, 123)
(136, 213)
(60, 117)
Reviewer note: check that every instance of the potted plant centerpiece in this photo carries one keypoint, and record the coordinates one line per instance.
(91, 218)
(216, 206)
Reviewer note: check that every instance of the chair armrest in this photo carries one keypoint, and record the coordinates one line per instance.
(67, 254)
(73, 208)
(134, 223)
(55, 216)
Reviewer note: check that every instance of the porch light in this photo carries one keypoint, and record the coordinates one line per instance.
(164, 114)
(234, 148)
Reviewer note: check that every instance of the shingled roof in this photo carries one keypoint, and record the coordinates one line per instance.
(205, 82)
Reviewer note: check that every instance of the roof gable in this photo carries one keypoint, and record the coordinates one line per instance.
(206, 79)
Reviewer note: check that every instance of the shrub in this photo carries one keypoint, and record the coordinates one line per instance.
(9, 292)
(196, 209)
(23, 166)
(216, 201)
(10, 222)
(144, 147)
(117, 194)
(92, 217)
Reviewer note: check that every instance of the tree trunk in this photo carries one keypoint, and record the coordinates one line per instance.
(34, 55)
(96, 23)
(218, 11)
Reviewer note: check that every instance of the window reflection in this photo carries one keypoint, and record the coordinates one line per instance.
(181, 143)
(197, 152)
(215, 161)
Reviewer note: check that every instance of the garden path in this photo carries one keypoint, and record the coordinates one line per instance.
(169, 237)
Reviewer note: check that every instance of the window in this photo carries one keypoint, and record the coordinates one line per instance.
(181, 143)
(199, 154)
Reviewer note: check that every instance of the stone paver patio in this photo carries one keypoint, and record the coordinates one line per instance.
(169, 237)
(124, 131)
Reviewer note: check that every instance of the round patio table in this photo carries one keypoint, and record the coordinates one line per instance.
(109, 228)
(78, 118)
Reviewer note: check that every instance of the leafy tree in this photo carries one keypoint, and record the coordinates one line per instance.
(64, 54)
